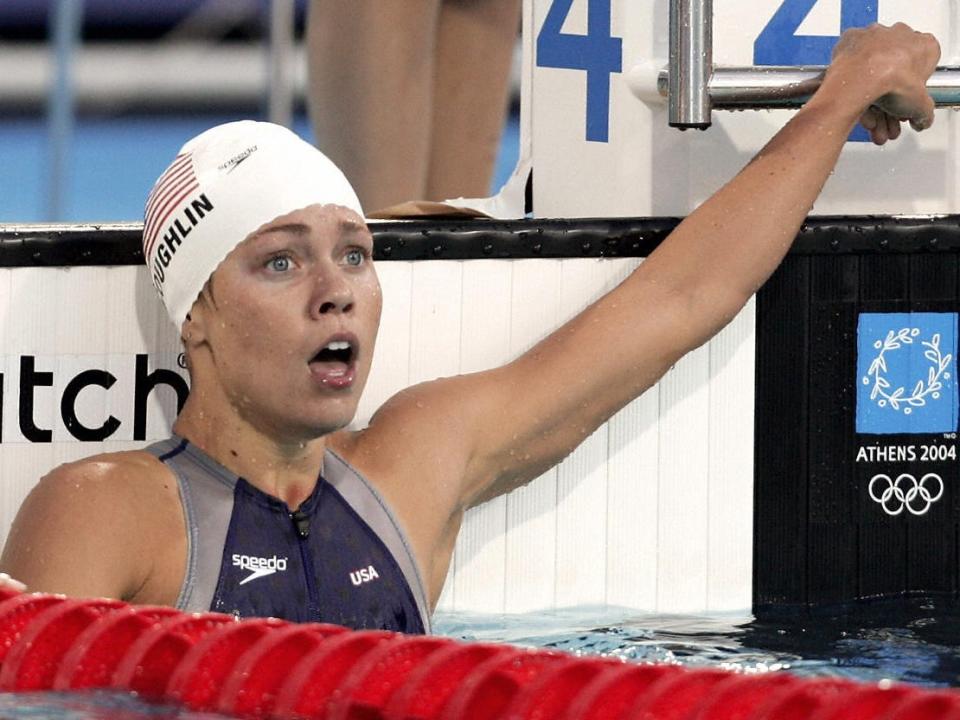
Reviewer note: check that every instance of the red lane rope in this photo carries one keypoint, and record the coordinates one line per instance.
(252, 684)
(95, 654)
(486, 693)
(199, 677)
(309, 689)
(147, 666)
(373, 681)
(34, 659)
(739, 697)
(550, 693)
(610, 695)
(431, 685)
(266, 668)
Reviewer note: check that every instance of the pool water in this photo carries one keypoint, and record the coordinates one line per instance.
(915, 641)
(89, 706)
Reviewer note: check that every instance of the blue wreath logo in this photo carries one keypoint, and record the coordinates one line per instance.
(906, 373)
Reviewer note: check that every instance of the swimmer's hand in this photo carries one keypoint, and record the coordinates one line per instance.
(885, 69)
(9, 583)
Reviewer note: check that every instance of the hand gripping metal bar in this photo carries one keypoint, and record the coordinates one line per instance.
(694, 87)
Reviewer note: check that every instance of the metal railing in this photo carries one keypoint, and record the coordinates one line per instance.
(280, 57)
(65, 36)
(694, 88)
(65, 26)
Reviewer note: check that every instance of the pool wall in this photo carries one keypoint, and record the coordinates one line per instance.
(652, 511)
(671, 506)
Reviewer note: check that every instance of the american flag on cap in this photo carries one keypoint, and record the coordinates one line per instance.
(173, 187)
(224, 184)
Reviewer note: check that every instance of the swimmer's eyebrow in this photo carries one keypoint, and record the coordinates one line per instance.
(344, 225)
(295, 228)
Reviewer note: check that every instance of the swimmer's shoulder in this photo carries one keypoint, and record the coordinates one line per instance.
(127, 487)
(124, 473)
(103, 514)
(411, 454)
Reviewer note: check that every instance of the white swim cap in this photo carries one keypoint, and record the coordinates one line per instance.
(223, 185)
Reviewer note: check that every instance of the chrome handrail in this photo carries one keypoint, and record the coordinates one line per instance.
(694, 88)
(769, 87)
(66, 18)
(279, 74)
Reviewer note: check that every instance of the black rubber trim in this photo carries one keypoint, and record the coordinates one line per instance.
(444, 239)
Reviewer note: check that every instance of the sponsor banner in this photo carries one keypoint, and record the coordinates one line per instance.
(90, 398)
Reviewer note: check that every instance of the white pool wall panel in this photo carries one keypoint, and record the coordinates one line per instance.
(627, 518)
(601, 528)
(481, 554)
(73, 320)
(648, 168)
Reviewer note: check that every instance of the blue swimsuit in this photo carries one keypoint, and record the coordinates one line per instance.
(340, 558)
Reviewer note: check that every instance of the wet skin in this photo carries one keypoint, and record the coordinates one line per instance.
(262, 395)
(252, 338)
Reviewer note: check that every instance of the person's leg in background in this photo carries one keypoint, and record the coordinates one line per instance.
(371, 90)
(474, 49)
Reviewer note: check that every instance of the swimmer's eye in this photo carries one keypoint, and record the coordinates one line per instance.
(280, 263)
(355, 257)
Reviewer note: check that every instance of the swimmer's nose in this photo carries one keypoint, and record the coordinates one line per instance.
(334, 295)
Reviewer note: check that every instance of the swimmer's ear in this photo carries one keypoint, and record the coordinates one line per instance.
(193, 330)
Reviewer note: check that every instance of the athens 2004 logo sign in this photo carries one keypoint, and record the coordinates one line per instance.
(905, 493)
(906, 373)
(906, 385)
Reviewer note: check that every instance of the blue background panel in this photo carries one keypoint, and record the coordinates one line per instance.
(906, 373)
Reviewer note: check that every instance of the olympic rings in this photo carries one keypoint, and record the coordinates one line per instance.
(894, 498)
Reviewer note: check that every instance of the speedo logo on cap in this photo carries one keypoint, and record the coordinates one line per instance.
(169, 217)
(232, 163)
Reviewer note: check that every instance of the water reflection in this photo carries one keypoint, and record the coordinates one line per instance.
(917, 641)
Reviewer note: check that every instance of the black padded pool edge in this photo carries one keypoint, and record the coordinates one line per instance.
(444, 239)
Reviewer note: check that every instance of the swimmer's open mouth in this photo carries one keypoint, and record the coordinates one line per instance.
(338, 350)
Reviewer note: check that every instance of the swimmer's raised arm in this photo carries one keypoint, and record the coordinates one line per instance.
(501, 428)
